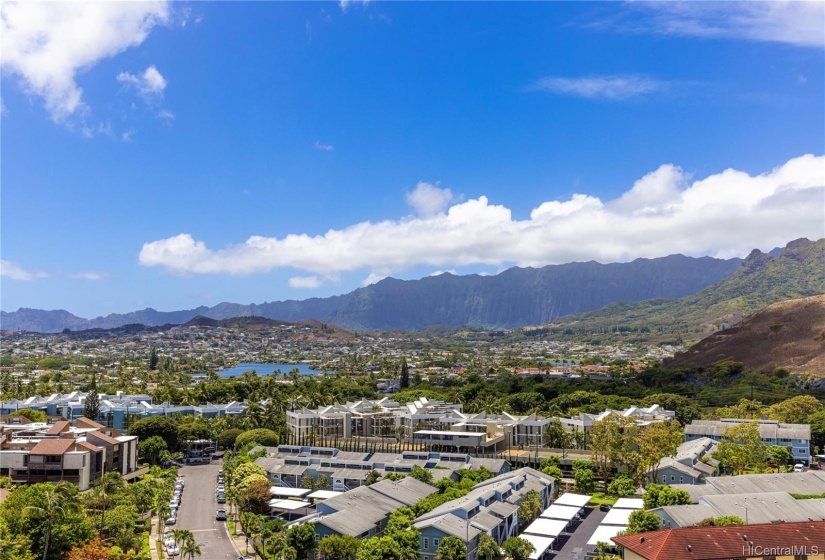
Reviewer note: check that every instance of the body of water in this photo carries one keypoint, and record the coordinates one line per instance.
(267, 369)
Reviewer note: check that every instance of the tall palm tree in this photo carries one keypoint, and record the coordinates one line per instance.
(60, 499)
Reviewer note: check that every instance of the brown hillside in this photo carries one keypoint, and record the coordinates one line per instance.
(788, 334)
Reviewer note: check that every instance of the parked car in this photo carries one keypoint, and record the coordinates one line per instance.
(221, 498)
(220, 515)
(245, 557)
(174, 503)
(799, 467)
(171, 520)
(604, 507)
(172, 550)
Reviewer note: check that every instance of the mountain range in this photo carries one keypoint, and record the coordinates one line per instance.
(761, 279)
(513, 298)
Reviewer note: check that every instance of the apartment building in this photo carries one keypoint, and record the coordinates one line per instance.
(35, 452)
(796, 437)
(443, 425)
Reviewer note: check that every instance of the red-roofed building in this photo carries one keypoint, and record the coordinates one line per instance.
(775, 541)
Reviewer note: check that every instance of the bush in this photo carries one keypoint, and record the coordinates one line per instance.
(226, 439)
(261, 436)
(622, 486)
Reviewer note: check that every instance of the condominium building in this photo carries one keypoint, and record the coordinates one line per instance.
(32, 452)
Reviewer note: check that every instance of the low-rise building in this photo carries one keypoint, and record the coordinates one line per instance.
(687, 466)
(796, 437)
(490, 507)
(771, 540)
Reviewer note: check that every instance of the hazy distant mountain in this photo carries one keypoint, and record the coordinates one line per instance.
(513, 298)
(762, 279)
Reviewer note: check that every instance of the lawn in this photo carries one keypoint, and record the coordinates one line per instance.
(600, 498)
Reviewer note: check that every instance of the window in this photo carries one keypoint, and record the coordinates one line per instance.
(672, 478)
(426, 543)
(435, 544)
(681, 480)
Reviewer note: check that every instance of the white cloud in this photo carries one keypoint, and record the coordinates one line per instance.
(305, 282)
(605, 87)
(799, 23)
(373, 278)
(428, 200)
(149, 84)
(93, 276)
(323, 147)
(723, 215)
(14, 271)
(344, 4)
(47, 44)
(440, 272)
(166, 115)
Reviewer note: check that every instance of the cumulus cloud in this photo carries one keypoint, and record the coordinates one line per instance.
(799, 23)
(323, 147)
(93, 276)
(149, 84)
(428, 200)
(46, 44)
(306, 282)
(605, 87)
(14, 271)
(726, 214)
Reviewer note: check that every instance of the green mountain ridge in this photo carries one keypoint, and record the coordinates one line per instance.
(761, 280)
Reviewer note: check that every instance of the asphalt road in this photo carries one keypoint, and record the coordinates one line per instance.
(197, 512)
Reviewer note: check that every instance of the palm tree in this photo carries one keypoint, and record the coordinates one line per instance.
(60, 499)
(163, 511)
(190, 548)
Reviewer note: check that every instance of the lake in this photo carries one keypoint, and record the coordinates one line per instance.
(267, 369)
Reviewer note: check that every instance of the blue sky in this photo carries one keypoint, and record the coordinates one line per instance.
(172, 155)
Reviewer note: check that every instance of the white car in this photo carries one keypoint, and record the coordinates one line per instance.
(799, 467)
(168, 541)
(174, 503)
(172, 550)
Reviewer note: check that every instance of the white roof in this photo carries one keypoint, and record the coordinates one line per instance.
(324, 494)
(288, 504)
(617, 517)
(541, 544)
(547, 527)
(289, 492)
(556, 511)
(570, 499)
(604, 533)
(629, 503)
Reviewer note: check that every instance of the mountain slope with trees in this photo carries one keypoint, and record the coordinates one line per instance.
(761, 280)
(788, 334)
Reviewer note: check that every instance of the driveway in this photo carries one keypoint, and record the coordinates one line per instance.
(574, 546)
(197, 512)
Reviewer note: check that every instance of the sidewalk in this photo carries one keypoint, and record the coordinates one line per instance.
(239, 542)
(153, 539)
